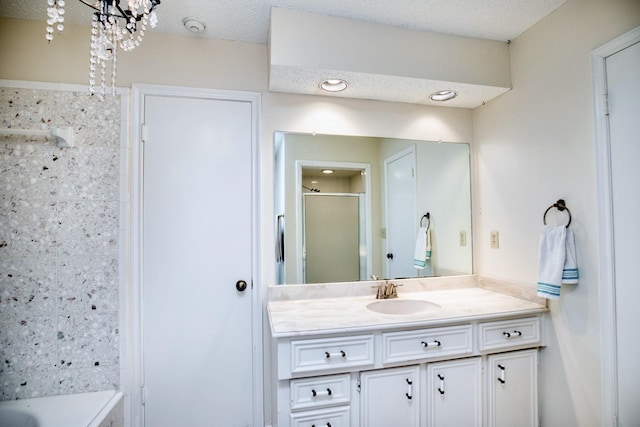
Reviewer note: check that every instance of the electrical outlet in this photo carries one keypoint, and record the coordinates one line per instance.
(463, 238)
(495, 240)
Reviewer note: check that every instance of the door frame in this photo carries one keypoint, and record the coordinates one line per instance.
(133, 375)
(608, 332)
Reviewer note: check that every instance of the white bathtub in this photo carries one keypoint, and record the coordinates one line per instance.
(98, 409)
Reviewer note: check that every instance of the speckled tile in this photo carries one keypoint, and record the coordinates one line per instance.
(89, 379)
(27, 285)
(88, 286)
(59, 243)
(89, 173)
(27, 342)
(25, 385)
(89, 228)
(29, 171)
(27, 227)
(88, 340)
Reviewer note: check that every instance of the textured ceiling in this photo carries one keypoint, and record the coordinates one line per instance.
(248, 20)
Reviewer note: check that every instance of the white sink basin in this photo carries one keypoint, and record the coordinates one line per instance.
(402, 306)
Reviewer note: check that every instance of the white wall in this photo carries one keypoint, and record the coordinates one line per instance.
(196, 62)
(533, 146)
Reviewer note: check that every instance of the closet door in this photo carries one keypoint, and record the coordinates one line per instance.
(197, 262)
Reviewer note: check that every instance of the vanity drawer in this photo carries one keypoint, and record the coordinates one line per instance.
(334, 417)
(320, 391)
(426, 344)
(326, 354)
(508, 334)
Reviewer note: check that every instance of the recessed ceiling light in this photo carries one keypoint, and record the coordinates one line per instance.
(443, 95)
(333, 85)
(327, 171)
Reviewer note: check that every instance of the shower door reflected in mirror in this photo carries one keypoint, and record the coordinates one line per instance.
(332, 237)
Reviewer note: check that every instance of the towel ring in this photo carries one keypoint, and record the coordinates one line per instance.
(561, 206)
(426, 216)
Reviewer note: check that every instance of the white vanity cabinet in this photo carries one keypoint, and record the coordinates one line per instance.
(473, 373)
(390, 397)
(454, 393)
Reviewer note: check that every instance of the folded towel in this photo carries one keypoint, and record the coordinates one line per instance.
(570, 272)
(423, 248)
(551, 258)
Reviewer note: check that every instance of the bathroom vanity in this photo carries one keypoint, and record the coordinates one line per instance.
(447, 352)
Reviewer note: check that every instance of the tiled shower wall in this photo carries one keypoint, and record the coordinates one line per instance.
(59, 243)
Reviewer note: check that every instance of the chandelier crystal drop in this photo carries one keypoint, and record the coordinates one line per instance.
(55, 17)
(116, 24)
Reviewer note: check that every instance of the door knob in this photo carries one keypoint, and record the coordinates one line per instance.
(241, 285)
(389, 255)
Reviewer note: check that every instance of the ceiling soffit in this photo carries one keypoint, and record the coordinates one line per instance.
(383, 62)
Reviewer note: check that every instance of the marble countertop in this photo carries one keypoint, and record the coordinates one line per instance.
(303, 317)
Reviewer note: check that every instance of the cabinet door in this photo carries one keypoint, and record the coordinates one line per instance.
(513, 389)
(454, 393)
(390, 397)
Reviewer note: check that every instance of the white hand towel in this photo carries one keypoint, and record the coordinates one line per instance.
(423, 248)
(570, 272)
(551, 258)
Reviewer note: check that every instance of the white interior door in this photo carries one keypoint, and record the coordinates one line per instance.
(402, 221)
(197, 243)
(623, 83)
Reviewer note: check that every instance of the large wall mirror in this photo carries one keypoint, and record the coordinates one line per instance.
(351, 207)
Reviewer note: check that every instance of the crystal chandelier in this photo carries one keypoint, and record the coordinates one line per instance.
(113, 26)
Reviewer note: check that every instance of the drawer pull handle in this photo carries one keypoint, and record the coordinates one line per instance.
(328, 425)
(512, 334)
(339, 354)
(327, 392)
(501, 378)
(409, 392)
(435, 343)
(441, 388)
